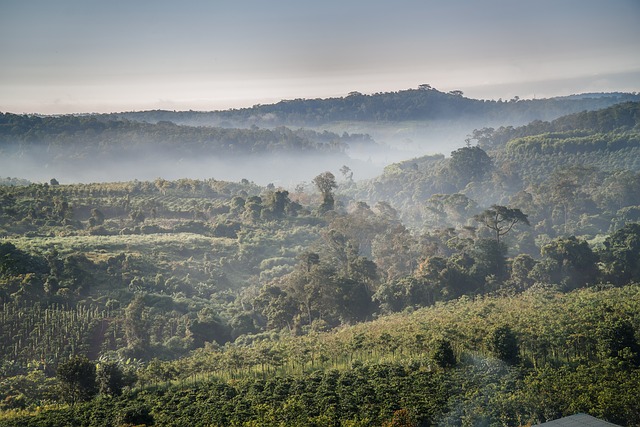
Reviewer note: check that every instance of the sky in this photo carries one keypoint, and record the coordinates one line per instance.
(80, 56)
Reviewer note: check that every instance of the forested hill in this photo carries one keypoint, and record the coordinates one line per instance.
(424, 103)
(89, 149)
(620, 118)
(570, 164)
(103, 136)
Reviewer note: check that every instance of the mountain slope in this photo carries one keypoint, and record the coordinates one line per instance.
(591, 152)
(420, 104)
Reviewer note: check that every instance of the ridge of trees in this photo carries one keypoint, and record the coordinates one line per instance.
(104, 136)
(619, 118)
(423, 103)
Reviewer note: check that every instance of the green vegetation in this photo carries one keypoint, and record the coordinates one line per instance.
(423, 103)
(83, 136)
(582, 179)
(567, 353)
(448, 291)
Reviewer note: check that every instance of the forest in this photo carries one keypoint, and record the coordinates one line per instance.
(422, 103)
(498, 284)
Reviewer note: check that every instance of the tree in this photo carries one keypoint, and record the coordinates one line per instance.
(110, 379)
(277, 202)
(489, 259)
(469, 164)
(620, 256)
(347, 173)
(136, 325)
(618, 341)
(310, 259)
(136, 414)
(353, 300)
(277, 306)
(401, 418)
(326, 183)
(503, 343)
(521, 267)
(97, 218)
(571, 262)
(398, 294)
(450, 209)
(443, 354)
(501, 219)
(77, 379)
(253, 208)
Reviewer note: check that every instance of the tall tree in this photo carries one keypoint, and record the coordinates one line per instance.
(618, 341)
(326, 183)
(569, 262)
(135, 325)
(443, 354)
(110, 379)
(77, 379)
(620, 256)
(501, 219)
(469, 164)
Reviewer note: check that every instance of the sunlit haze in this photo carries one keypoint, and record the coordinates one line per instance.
(78, 56)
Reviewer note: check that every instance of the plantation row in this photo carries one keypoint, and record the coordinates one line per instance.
(428, 367)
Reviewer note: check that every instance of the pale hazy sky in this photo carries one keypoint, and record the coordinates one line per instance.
(61, 56)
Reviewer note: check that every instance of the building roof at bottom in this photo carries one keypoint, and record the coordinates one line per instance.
(577, 420)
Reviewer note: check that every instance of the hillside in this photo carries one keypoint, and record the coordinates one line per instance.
(422, 104)
(584, 155)
(405, 124)
(497, 285)
(495, 360)
(95, 149)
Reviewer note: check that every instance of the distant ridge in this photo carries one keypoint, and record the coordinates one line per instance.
(422, 104)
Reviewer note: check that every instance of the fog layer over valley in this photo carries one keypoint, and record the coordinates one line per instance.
(85, 149)
(285, 143)
(406, 123)
(282, 169)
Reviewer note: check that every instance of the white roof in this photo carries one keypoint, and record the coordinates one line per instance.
(578, 420)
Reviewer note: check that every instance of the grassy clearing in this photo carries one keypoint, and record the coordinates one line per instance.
(135, 243)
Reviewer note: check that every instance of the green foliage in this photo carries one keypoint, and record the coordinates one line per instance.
(501, 219)
(620, 255)
(374, 387)
(469, 164)
(256, 311)
(572, 263)
(77, 379)
(423, 103)
(326, 183)
(618, 341)
(135, 415)
(87, 134)
(110, 379)
(573, 189)
(443, 354)
(503, 343)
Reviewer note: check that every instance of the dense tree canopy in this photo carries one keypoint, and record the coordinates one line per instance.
(501, 219)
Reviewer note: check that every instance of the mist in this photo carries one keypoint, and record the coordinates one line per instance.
(281, 169)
